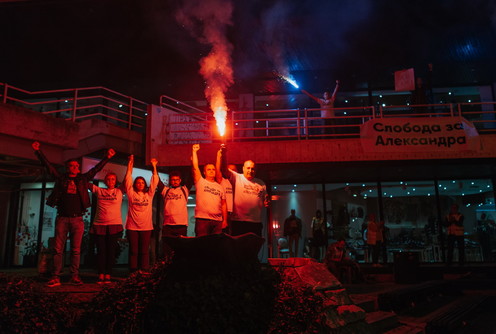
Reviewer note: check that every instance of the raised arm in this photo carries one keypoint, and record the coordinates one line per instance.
(128, 178)
(194, 160)
(39, 154)
(310, 96)
(333, 97)
(154, 180)
(92, 172)
(218, 163)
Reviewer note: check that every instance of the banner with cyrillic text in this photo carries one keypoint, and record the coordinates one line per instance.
(419, 135)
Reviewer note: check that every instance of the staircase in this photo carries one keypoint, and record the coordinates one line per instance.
(434, 307)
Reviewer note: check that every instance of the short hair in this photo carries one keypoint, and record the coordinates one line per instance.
(71, 160)
(175, 173)
(112, 173)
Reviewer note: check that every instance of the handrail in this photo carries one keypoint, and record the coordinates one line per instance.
(81, 103)
(187, 123)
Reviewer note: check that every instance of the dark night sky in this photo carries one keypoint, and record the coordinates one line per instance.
(138, 48)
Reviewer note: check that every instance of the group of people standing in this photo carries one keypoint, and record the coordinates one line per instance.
(232, 205)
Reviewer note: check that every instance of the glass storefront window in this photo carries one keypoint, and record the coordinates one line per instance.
(410, 217)
(475, 200)
(348, 205)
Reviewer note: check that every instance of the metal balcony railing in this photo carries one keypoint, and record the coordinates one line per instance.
(188, 124)
(81, 103)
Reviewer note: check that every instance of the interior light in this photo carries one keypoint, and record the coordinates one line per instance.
(120, 105)
(449, 93)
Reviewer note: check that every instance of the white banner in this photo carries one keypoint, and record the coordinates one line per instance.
(430, 134)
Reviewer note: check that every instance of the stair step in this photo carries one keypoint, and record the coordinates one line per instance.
(367, 302)
(456, 315)
(405, 329)
(381, 321)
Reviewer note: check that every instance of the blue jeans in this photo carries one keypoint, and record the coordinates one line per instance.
(74, 226)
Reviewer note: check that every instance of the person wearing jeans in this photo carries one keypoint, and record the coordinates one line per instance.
(70, 196)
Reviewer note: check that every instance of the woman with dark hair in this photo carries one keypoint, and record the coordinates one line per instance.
(139, 225)
(107, 225)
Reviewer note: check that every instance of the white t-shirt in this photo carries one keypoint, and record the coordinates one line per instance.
(108, 206)
(209, 196)
(249, 197)
(175, 209)
(327, 108)
(139, 212)
(228, 189)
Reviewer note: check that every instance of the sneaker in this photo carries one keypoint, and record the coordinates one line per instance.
(108, 280)
(55, 281)
(101, 281)
(75, 280)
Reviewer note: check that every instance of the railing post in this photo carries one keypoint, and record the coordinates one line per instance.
(459, 106)
(298, 124)
(306, 122)
(130, 121)
(74, 105)
(5, 88)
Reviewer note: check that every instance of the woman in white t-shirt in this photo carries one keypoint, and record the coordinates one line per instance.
(139, 225)
(107, 225)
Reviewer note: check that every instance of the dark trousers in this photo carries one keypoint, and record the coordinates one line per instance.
(375, 250)
(242, 227)
(139, 245)
(172, 231)
(205, 227)
(106, 246)
(460, 243)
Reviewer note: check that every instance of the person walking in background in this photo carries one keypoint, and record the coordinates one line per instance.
(210, 210)
(292, 231)
(70, 196)
(454, 223)
(107, 225)
(318, 236)
(374, 238)
(139, 225)
(175, 197)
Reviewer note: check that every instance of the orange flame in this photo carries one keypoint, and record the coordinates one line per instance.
(207, 20)
(217, 70)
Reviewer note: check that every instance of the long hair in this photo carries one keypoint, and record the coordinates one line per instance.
(138, 178)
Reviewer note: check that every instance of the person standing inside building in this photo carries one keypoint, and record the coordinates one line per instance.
(318, 236)
(139, 225)
(107, 225)
(250, 196)
(176, 219)
(292, 231)
(454, 223)
(210, 210)
(375, 238)
(326, 107)
(71, 197)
